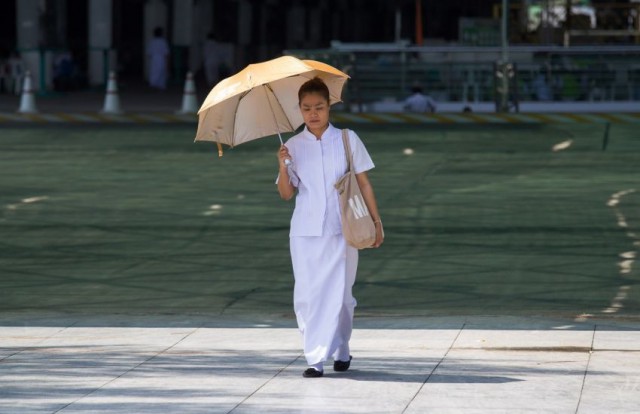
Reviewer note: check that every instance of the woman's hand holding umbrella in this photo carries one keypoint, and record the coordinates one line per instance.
(284, 158)
(285, 188)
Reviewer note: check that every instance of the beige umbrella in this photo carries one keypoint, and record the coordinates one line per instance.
(262, 100)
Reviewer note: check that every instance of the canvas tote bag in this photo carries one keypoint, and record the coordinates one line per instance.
(358, 227)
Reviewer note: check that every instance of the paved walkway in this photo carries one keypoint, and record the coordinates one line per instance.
(440, 365)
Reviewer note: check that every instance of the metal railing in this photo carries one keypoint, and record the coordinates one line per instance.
(466, 74)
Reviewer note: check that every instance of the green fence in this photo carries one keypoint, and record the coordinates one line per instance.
(466, 74)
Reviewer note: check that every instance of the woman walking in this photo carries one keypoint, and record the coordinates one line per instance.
(324, 265)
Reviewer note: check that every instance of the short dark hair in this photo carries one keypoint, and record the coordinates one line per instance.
(158, 31)
(315, 85)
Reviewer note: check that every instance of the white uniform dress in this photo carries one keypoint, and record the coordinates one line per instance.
(324, 266)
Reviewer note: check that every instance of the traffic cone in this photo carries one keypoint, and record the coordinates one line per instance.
(27, 99)
(189, 98)
(111, 99)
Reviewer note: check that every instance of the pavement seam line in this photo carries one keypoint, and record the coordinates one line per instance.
(265, 383)
(128, 371)
(26, 348)
(586, 369)
(435, 368)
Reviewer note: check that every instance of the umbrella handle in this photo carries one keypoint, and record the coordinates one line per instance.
(287, 162)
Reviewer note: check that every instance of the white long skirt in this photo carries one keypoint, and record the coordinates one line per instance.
(325, 271)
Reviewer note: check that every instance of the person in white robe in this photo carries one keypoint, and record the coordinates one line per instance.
(158, 54)
(324, 265)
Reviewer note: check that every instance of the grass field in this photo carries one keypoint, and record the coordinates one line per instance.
(479, 220)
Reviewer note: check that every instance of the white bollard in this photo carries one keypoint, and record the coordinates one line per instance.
(27, 98)
(189, 98)
(111, 99)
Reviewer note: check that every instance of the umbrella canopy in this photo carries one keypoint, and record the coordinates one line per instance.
(262, 100)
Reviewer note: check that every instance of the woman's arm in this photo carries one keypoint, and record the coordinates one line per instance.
(370, 200)
(285, 188)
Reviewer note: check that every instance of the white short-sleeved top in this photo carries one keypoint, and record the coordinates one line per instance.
(317, 166)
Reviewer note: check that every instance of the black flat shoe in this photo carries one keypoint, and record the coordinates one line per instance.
(342, 365)
(312, 373)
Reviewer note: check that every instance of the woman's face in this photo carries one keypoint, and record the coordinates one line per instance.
(315, 111)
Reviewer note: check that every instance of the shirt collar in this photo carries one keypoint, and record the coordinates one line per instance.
(330, 131)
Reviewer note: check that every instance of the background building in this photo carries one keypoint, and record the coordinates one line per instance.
(102, 35)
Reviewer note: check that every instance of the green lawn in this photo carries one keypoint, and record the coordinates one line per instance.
(479, 220)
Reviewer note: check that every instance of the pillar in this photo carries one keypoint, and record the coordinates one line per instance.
(54, 23)
(184, 35)
(264, 31)
(28, 37)
(315, 27)
(155, 14)
(245, 25)
(101, 57)
(203, 24)
(296, 26)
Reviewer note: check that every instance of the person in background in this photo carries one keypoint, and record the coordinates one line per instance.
(15, 72)
(64, 73)
(324, 265)
(540, 85)
(158, 54)
(419, 102)
(4, 76)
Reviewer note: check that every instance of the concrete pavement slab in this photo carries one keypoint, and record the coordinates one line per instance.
(47, 379)
(525, 340)
(190, 369)
(193, 381)
(475, 381)
(612, 383)
(388, 368)
(19, 336)
(74, 362)
(611, 339)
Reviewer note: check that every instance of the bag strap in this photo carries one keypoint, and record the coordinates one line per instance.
(347, 148)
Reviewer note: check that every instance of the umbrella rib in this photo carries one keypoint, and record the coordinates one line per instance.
(204, 119)
(280, 105)
(235, 115)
